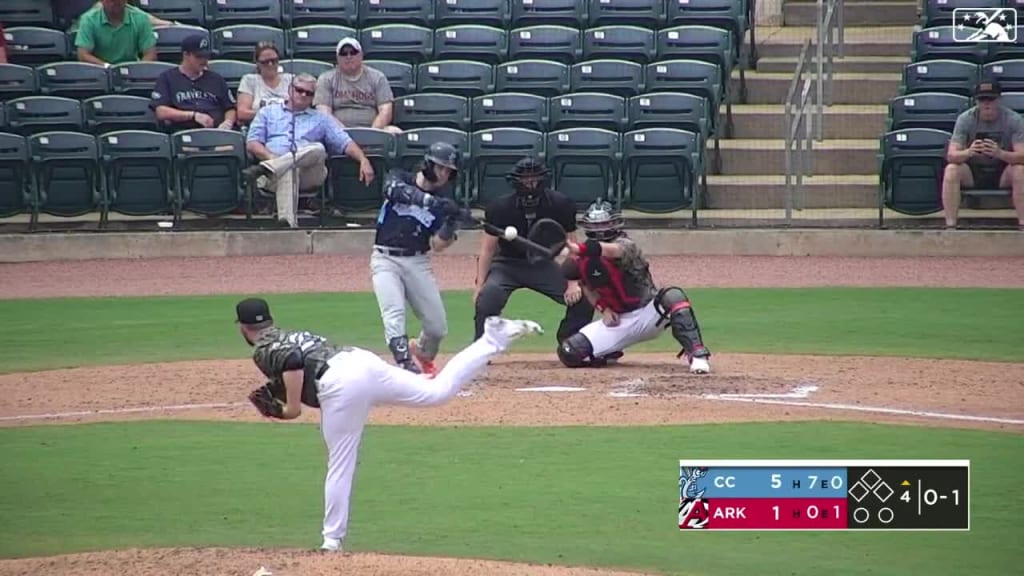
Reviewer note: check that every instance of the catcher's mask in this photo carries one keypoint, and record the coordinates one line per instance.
(529, 177)
(441, 154)
(602, 222)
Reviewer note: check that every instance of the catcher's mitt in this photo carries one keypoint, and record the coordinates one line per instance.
(266, 401)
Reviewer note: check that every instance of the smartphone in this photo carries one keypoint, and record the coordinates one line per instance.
(993, 136)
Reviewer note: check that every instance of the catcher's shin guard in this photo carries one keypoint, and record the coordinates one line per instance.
(399, 346)
(674, 306)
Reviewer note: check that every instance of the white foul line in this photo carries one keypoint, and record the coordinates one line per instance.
(138, 410)
(798, 392)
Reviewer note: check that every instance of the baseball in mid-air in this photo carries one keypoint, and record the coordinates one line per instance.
(511, 233)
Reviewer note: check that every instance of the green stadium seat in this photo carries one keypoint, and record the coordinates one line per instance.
(78, 80)
(221, 13)
(483, 12)
(401, 76)
(471, 42)
(413, 144)
(941, 43)
(15, 195)
(298, 66)
(1008, 50)
(137, 171)
(344, 190)
(509, 109)
(137, 78)
(1009, 74)
(646, 13)
(208, 165)
(494, 153)
(588, 109)
(541, 77)
(236, 42)
(691, 77)
(610, 75)
(425, 110)
(34, 114)
(3, 119)
(1013, 100)
(401, 42)
(912, 164)
(17, 81)
(35, 46)
(940, 12)
(571, 13)
(938, 110)
(466, 78)
(546, 42)
(631, 43)
(660, 169)
(168, 41)
(413, 12)
(731, 15)
(955, 76)
(309, 12)
(318, 41)
(27, 13)
(112, 112)
(232, 70)
(66, 173)
(705, 43)
(673, 110)
(585, 164)
(192, 12)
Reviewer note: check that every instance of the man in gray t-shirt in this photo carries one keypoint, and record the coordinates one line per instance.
(985, 152)
(357, 95)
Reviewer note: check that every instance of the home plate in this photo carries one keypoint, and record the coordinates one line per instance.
(551, 389)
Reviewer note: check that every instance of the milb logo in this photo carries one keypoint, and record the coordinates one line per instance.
(991, 25)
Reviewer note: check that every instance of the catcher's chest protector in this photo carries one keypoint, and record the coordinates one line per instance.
(613, 288)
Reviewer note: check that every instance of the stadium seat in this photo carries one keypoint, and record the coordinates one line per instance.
(318, 41)
(571, 13)
(1009, 74)
(344, 190)
(17, 81)
(660, 169)
(208, 165)
(309, 12)
(302, 66)
(192, 12)
(611, 76)
(471, 42)
(73, 80)
(413, 12)
(630, 43)
(674, 110)
(1008, 50)
(34, 114)
(413, 144)
(585, 164)
(66, 172)
(705, 43)
(137, 171)
(425, 110)
(692, 77)
(509, 109)
(15, 195)
(34, 46)
(27, 13)
(483, 12)
(137, 78)
(912, 163)
(495, 152)
(541, 77)
(401, 76)
(588, 109)
(546, 42)
(730, 15)
(237, 42)
(955, 76)
(112, 112)
(401, 42)
(937, 110)
(221, 13)
(232, 70)
(168, 41)
(646, 13)
(1014, 101)
(461, 77)
(941, 43)
(3, 119)
(940, 12)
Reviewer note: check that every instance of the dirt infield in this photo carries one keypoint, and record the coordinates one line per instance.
(642, 389)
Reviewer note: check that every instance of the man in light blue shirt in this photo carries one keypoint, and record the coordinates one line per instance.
(316, 134)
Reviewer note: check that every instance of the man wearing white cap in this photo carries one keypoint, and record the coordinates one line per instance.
(357, 95)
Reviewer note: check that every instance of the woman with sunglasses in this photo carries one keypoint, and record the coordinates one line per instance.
(267, 85)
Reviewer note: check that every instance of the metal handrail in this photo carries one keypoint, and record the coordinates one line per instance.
(830, 17)
(799, 117)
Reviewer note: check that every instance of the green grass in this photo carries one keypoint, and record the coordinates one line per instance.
(593, 496)
(955, 323)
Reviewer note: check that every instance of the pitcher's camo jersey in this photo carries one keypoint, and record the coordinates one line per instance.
(622, 284)
(277, 351)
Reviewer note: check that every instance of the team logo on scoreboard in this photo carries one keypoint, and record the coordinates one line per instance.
(694, 511)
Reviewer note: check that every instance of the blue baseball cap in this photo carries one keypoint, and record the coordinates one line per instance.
(196, 44)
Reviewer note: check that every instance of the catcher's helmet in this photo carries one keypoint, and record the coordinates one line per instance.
(529, 177)
(602, 221)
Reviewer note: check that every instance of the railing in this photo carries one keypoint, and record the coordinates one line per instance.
(830, 19)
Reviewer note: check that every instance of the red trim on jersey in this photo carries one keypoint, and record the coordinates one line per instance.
(614, 294)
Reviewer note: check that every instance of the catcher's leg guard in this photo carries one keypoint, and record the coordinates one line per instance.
(674, 306)
(399, 346)
(576, 351)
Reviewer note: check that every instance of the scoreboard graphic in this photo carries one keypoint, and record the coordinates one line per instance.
(911, 495)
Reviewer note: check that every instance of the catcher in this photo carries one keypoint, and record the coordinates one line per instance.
(616, 278)
(344, 383)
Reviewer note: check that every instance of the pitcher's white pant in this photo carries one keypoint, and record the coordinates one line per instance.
(357, 380)
(634, 327)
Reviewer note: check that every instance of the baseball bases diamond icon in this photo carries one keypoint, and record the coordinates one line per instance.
(994, 25)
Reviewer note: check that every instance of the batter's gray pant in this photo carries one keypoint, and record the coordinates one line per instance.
(397, 279)
(310, 162)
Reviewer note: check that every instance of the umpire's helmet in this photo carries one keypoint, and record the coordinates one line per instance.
(529, 177)
(602, 221)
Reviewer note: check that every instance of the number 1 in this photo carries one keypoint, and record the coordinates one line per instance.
(956, 497)
(776, 510)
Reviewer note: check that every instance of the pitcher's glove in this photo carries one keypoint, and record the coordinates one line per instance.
(266, 402)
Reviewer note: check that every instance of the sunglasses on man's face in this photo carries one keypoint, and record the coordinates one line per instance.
(348, 53)
(302, 91)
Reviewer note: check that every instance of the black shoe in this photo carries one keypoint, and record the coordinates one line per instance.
(253, 173)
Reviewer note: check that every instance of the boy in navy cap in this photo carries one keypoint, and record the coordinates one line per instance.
(190, 96)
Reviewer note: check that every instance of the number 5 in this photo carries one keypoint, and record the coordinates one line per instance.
(776, 480)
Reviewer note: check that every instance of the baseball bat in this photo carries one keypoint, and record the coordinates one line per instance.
(545, 251)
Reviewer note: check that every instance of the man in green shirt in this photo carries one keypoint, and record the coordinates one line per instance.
(115, 33)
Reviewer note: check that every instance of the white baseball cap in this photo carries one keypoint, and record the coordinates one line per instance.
(348, 41)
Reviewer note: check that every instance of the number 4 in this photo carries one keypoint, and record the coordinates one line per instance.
(906, 496)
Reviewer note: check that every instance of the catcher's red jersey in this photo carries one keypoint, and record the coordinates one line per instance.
(622, 284)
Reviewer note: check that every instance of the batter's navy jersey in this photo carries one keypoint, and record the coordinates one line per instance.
(506, 211)
(401, 225)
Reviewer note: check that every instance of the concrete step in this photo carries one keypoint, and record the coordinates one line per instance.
(847, 88)
(859, 14)
(763, 156)
(865, 41)
(769, 191)
(863, 64)
(841, 121)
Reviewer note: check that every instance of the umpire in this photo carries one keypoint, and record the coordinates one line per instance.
(502, 266)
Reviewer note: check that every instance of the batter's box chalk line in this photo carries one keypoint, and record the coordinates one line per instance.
(551, 389)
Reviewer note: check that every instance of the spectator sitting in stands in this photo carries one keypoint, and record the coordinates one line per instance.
(315, 134)
(153, 20)
(190, 96)
(357, 95)
(3, 45)
(111, 33)
(985, 152)
(267, 85)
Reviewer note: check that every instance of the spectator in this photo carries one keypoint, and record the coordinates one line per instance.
(267, 85)
(153, 20)
(3, 45)
(315, 134)
(357, 95)
(190, 96)
(112, 33)
(985, 152)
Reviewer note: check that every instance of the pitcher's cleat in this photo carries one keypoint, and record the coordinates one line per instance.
(503, 331)
(331, 545)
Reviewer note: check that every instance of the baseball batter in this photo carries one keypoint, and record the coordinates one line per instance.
(414, 219)
(617, 279)
(344, 383)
